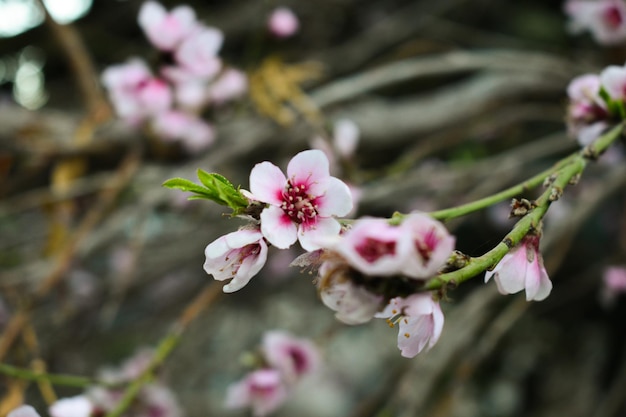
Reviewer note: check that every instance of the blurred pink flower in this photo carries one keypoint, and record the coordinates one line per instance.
(166, 30)
(78, 406)
(197, 54)
(352, 303)
(238, 256)
(605, 19)
(231, 84)
(134, 92)
(420, 322)
(262, 390)
(302, 206)
(614, 284)
(193, 133)
(613, 79)
(587, 113)
(283, 22)
(522, 268)
(345, 137)
(292, 356)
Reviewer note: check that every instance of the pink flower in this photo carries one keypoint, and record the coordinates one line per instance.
(418, 247)
(262, 390)
(293, 357)
(613, 79)
(194, 133)
(587, 113)
(166, 30)
(238, 255)
(300, 206)
(431, 245)
(231, 84)
(605, 19)
(373, 246)
(421, 322)
(522, 268)
(283, 23)
(134, 92)
(352, 303)
(197, 54)
(345, 137)
(24, 411)
(614, 284)
(78, 406)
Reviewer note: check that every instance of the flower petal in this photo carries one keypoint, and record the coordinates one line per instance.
(313, 237)
(267, 183)
(337, 199)
(511, 271)
(278, 228)
(308, 167)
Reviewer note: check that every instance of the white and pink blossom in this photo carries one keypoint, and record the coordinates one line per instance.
(283, 22)
(301, 206)
(587, 114)
(346, 136)
(293, 357)
(420, 321)
(431, 245)
(353, 304)
(522, 269)
(197, 54)
(373, 247)
(238, 256)
(78, 406)
(134, 92)
(262, 390)
(166, 30)
(604, 19)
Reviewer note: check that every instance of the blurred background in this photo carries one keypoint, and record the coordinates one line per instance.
(454, 100)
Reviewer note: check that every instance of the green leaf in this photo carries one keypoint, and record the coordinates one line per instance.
(215, 187)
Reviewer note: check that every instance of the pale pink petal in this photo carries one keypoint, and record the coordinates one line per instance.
(277, 227)
(613, 79)
(336, 201)
(151, 14)
(438, 320)
(250, 266)
(23, 411)
(230, 85)
(307, 168)
(413, 334)
(542, 288)
(283, 23)
(346, 137)
(511, 270)
(79, 406)
(312, 237)
(267, 183)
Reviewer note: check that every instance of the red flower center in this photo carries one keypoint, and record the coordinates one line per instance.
(297, 204)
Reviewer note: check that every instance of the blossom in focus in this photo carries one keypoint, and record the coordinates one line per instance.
(614, 284)
(301, 206)
(352, 303)
(135, 93)
(522, 269)
(292, 356)
(23, 411)
(283, 22)
(191, 131)
(78, 406)
(238, 256)
(166, 30)
(262, 390)
(604, 19)
(420, 321)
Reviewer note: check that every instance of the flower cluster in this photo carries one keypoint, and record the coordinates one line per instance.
(604, 19)
(298, 207)
(192, 77)
(284, 361)
(596, 103)
(154, 399)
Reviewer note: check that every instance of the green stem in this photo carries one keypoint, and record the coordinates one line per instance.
(55, 379)
(568, 169)
(166, 346)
